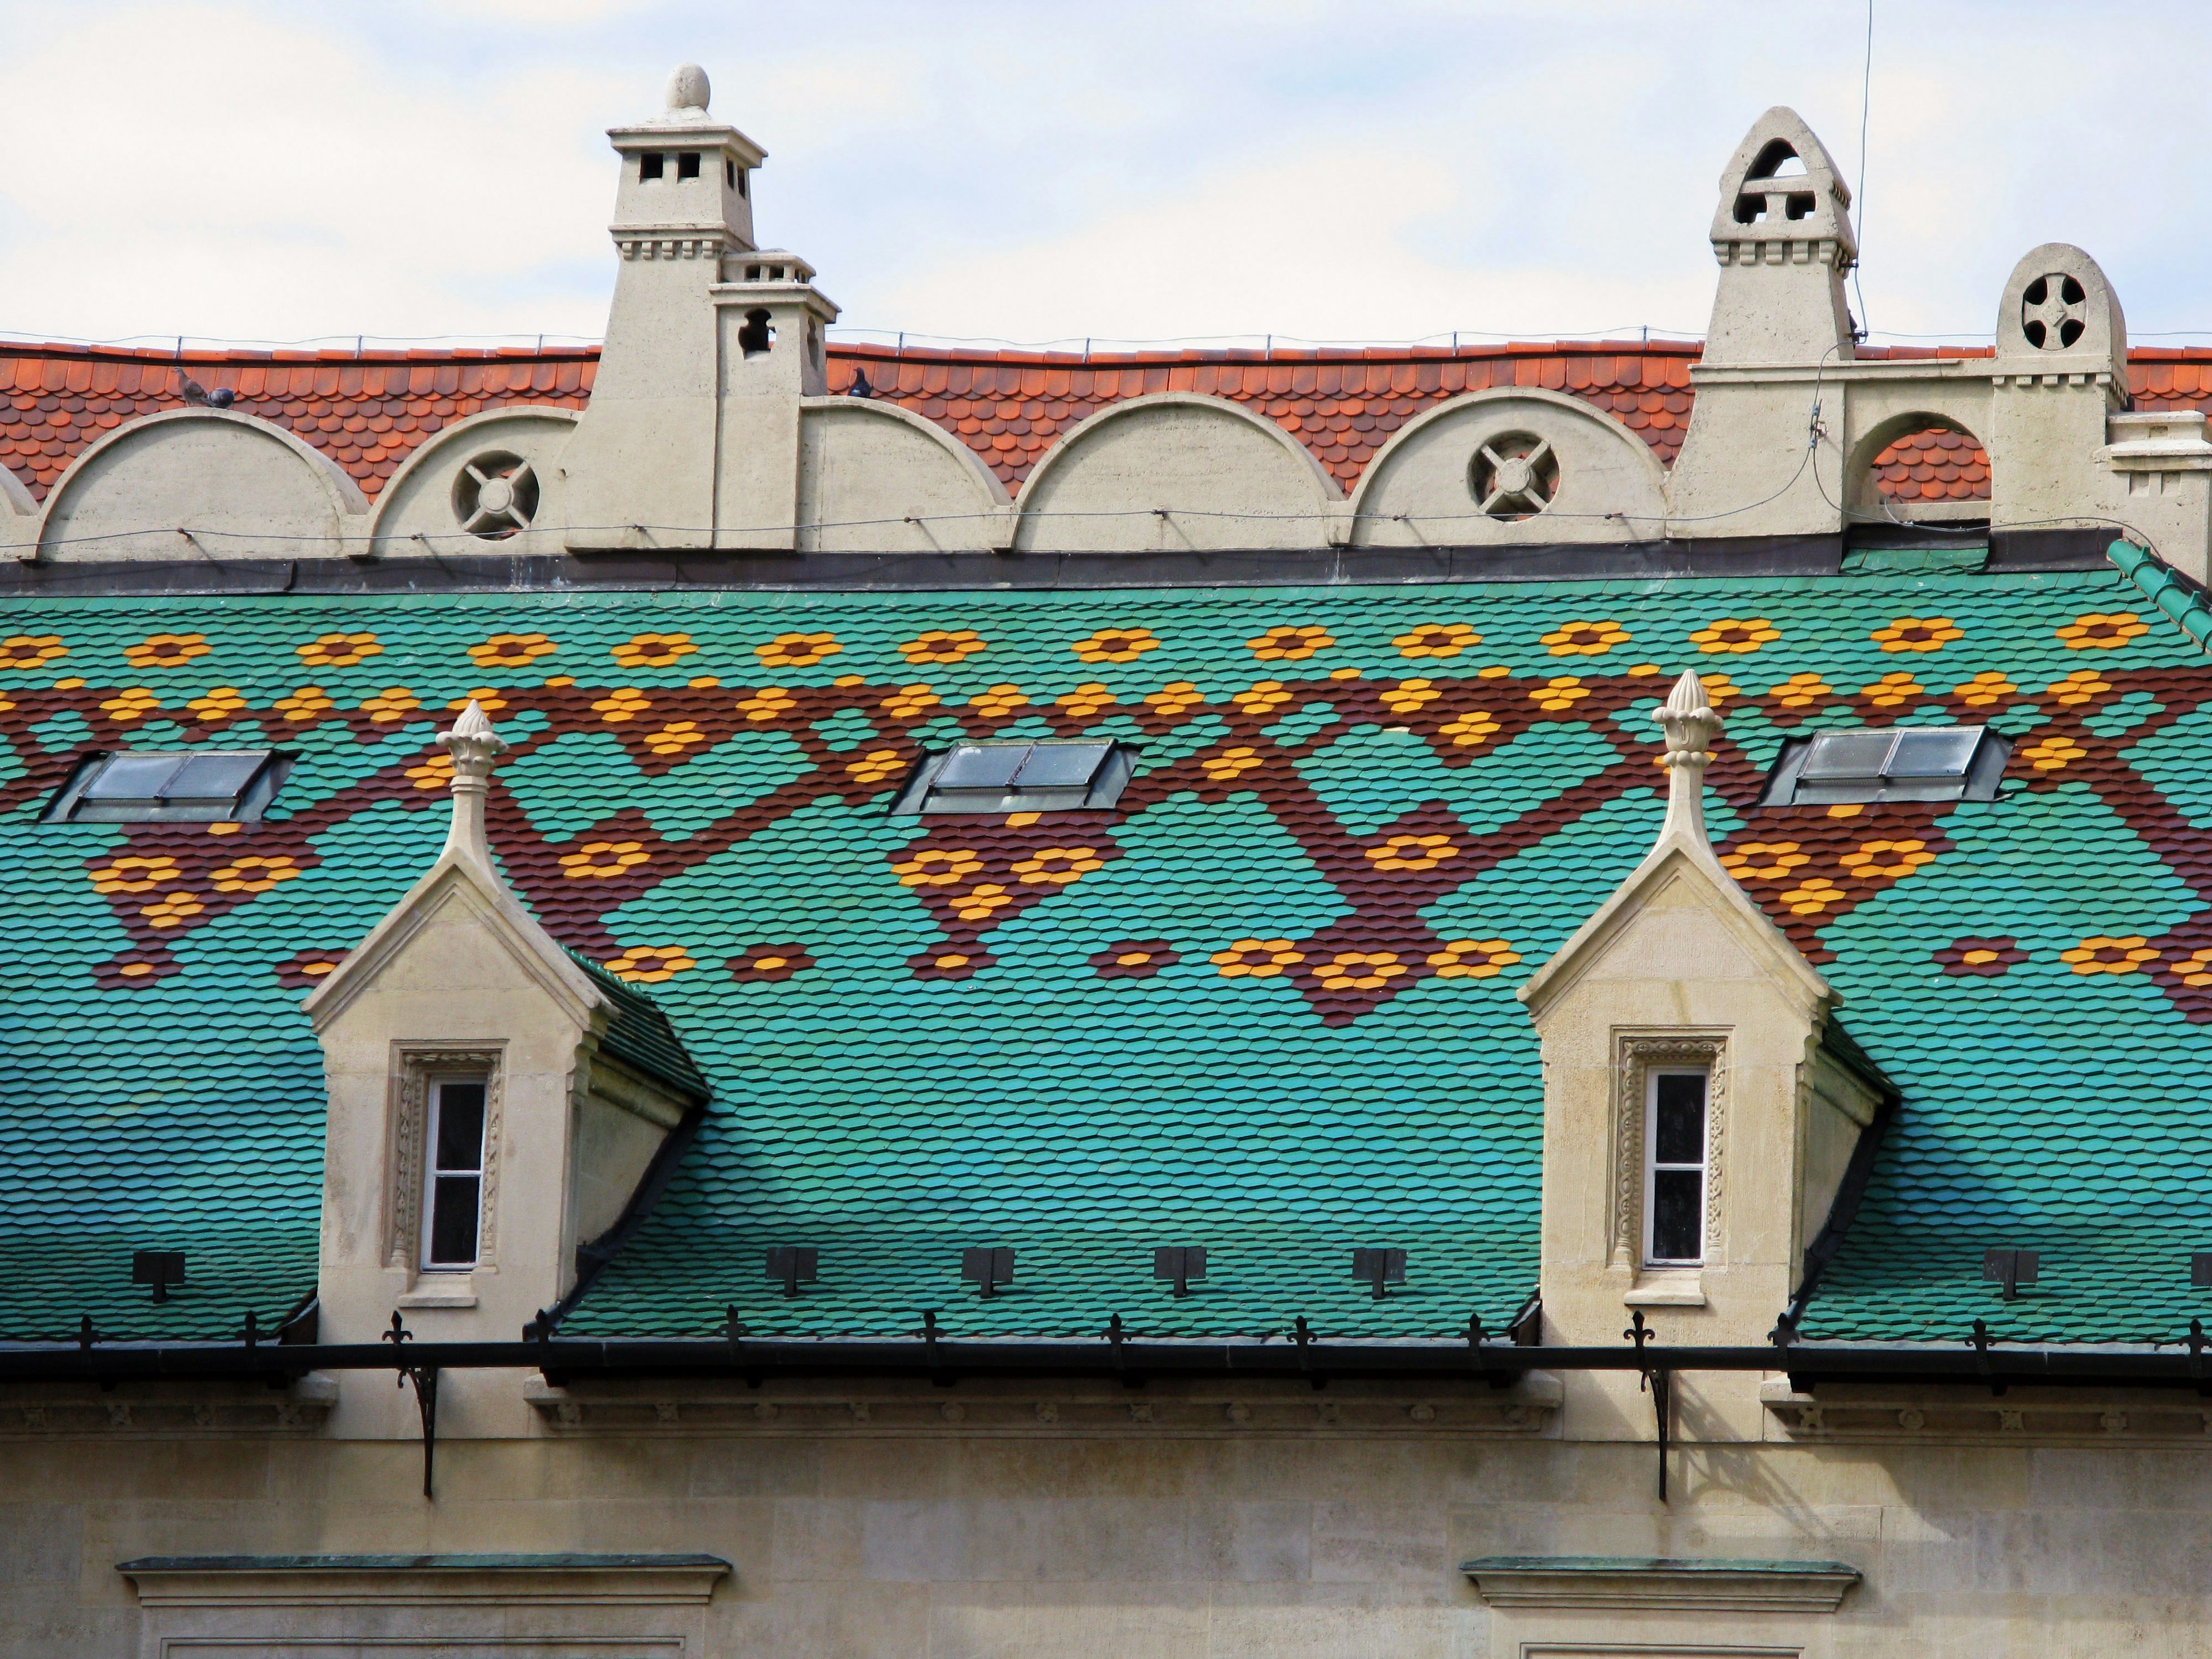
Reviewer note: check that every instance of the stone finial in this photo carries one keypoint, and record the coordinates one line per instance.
(689, 90)
(475, 748)
(1690, 724)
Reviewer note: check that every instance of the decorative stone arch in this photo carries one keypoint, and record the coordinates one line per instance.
(1176, 470)
(1880, 485)
(201, 483)
(1596, 480)
(876, 478)
(418, 511)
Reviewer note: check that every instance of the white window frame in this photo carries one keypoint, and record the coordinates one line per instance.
(1652, 1167)
(434, 1111)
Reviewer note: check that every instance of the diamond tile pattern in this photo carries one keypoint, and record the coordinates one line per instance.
(1266, 1006)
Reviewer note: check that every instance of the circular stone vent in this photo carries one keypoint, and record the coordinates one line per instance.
(2052, 311)
(1515, 476)
(496, 496)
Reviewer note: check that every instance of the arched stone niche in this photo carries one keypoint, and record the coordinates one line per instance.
(877, 478)
(1582, 476)
(1919, 467)
(492, 484)
(2059, 304)
(1177, 471)
(201, 483)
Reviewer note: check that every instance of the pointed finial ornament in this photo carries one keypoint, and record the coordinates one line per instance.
(689, 91)
(1690, 724)
(475, 748)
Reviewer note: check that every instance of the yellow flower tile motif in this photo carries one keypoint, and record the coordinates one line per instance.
(650, 964)
(1735, 635)
(512, 650)
(172, 910)
(224, 829)
(255, 873)
(1056, 866)
(1437, 639)
(1290, 644)
(1175, 699)
(1256, 958)
(2099, 631)
(2099, 954)
(1564, 692)
(485, 697)
(2195, 969)
(1412, 853)
(165, 650)
(217, 705)
(132, 705)
(977, 903)
(393, 703)
(70, 683)
(1474, 958)
(1891, 690)
(1917, 633)
(435, 773)
(340, 650)
(2052, 753)
(876, 766)
(995, 703)
(674, 737)
(134, 875)
(1086, 701)
(653, 650)
(1813, 895)
(1846, 809)
(1471, 729)
(769, 702)
(1801, 691)
(2082, 685)
(1765, 860)
(1359, 970)
(1585, 638)
(1893, 860)
(1719, 688)
(1409, 696)
(1232, 764)
(31, 650)
(939, 645)
(1343, 674)
(947, 867)
(796, 650)
(909, 700)
(1263, 698)
(6, 704)
(709, 682)
(1984, 688)
(1115, 645)
(598, 860)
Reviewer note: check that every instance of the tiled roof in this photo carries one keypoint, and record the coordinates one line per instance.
(638, 1035)
(1266, 1007)
(368, 412)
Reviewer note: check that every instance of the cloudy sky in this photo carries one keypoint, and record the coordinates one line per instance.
(1037, 170)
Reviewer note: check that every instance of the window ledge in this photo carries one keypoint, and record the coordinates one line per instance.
(1667, 1288)
(460, 1295)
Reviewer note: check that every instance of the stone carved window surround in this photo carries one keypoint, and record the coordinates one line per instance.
(1636, 1055)
(413, 1067)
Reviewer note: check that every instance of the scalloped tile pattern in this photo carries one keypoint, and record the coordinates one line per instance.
(1265, 1006)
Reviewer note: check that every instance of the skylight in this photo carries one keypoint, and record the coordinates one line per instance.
(1946, 763)
(1053, 776)
(195, 787)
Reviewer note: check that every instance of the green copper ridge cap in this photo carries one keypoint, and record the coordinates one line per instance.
(2180, 598)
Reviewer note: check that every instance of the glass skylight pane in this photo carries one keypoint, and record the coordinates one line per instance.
(1062, 765)
(1933, 754)
(213, 777)
(134, 777)
(982, 765)
(1847, 755)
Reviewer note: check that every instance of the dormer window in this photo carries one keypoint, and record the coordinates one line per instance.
(1053, 776)
(1920, 764)
(189, 786)
(649, 165)
(453, 1199)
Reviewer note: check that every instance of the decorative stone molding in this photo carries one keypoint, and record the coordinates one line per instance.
(414, 1065)
(356, 1581)
(1636, 1057)
(1624, 1582)
(166, 1411)
(648, 1408)
(2051, 1416)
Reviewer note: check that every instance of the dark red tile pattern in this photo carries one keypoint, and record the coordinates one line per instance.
(367, 413)
(1933, 466)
